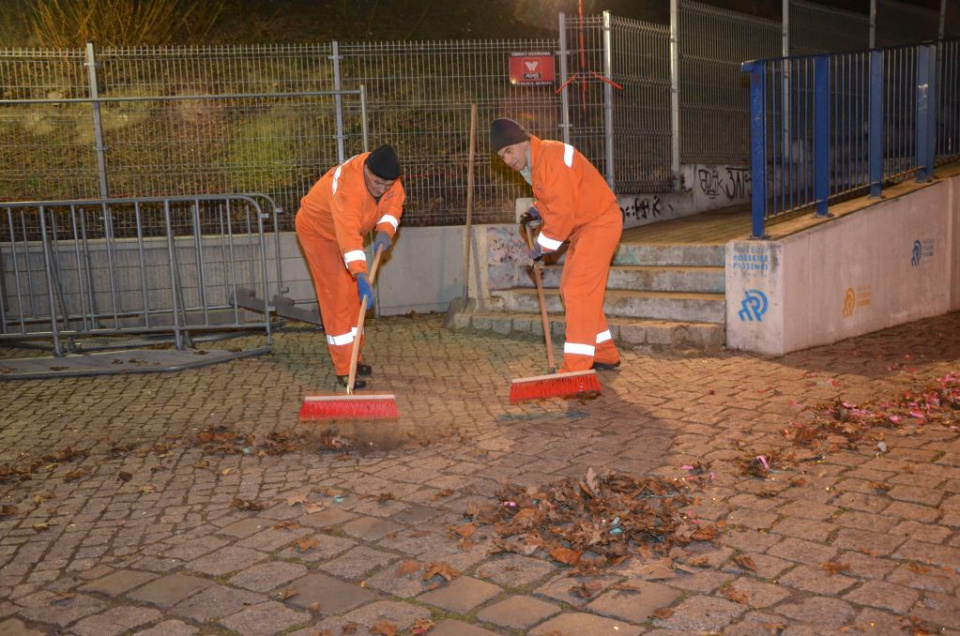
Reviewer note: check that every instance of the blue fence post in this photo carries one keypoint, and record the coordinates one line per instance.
(821, 133)
(924, 99)
(758, 147)
(875, 150)
(932, 110)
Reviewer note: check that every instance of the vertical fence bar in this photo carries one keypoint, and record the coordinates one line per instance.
(875, 148)
(564, 95)
(821, 133)
(97, 120)
(608, 102)
(924, 102)
(338, 101)
(174, 277)
(757, 146)
(48, 263)
(933, 103)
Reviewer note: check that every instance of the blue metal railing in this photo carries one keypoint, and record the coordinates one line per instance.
(828, 126)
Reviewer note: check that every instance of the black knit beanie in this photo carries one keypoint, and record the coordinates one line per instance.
(506, 132)
(383, 163)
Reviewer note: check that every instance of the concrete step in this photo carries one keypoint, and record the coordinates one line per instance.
(682, 255)
(661, 278)
(620, 303)
(626, 332)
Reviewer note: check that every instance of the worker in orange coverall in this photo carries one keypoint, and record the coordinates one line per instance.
(345, 204)
(572, 203)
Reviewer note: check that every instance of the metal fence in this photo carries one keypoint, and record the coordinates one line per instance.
(815, 28)
(169, 268)
(829, 126)
(714, 100)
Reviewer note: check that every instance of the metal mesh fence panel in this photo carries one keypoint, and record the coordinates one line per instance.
(641, 110)
(41, 145)
(948, 94)
(585, 89)
(815, 28)
(714, 95)
(903, 23)
(419, 101)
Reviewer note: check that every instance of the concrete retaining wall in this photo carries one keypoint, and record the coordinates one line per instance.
(894, 262)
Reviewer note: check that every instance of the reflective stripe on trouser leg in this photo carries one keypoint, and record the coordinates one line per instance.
(337, 295)
(583, 285)
(606, 349)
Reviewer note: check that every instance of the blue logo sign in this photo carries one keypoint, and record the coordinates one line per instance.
(753, 307)
(917, 253)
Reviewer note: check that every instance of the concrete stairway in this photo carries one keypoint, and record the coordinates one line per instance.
(658, 295)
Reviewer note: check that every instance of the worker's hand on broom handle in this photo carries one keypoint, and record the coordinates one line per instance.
(355, 352)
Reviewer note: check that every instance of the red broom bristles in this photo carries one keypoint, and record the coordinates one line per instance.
(357, 407)
(573, 384)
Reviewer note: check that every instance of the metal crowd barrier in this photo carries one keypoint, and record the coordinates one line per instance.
(163, 268)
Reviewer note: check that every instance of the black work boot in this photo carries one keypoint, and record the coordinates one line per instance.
(357, 383)
(364, 369)
(606, 366)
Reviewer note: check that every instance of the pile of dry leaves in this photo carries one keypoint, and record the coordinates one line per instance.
(594, 522)
(841, 424)
(220, 440)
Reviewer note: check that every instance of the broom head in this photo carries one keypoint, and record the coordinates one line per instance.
(574, 384)
(382, 406)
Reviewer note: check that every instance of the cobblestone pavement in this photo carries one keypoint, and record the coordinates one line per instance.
(119, 516)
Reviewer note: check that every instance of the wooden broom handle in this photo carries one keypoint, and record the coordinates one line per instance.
(538, 278)
(355, 352)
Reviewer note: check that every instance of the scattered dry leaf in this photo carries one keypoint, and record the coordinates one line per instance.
(663, 613)
(124, 476)
(305, 545)
(408, 568)
(746, 562)
(736, 595)
(586, 589)
(422, 626)
(287, 593)
(384, 628)
(287, 525)
(445, 570)
(41, 527)
(835, 567)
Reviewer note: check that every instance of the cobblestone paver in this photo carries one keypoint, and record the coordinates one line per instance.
(119, 517)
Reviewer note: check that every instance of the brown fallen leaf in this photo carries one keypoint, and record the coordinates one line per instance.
(384, 497)
(736, 596)
(663, 613)
(880, 487)
(466, 531)
(350, 628)
(746, 562)
(311, 508)
(657, 570)
(917, 568)
(314, 607)
(586, 590)
(834, 567)
(628, 586)
(41, 527)
(422, 626)
(287, 525)
(305, 545)
(565, 555)
(287, 593)
(384, 628)
(408, 568)
(124, 476)
(247, 504)
(8, 510)
(298, 498)
(445, 570)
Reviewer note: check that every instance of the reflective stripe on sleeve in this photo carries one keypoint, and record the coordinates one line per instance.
(336, 178)
(548, 243)
(604, 336)
(392, 220)
(568, 155)
(578, 349)
(354, 255)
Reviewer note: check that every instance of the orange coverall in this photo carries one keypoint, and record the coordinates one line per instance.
(576, 204)
(331, 223)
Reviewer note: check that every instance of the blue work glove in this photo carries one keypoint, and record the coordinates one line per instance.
(382, 240)
(531, 217)
(535, 253)
(364, 289)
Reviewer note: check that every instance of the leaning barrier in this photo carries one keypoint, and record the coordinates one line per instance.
(161, 270)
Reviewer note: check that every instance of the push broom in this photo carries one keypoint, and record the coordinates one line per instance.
(336, 406)
(571, 384)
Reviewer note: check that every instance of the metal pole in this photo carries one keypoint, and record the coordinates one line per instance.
(758, 151)
(675, 93)
(564, 98)
(875, 148)
(785, 29)
(338, 101)
(943, 20)
(174, 277)
(608, 102)
(787, 71)
(821, 134)
(97, 121)
(873, 24)
(363, 118)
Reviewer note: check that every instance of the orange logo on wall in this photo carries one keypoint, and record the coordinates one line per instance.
(855, 298)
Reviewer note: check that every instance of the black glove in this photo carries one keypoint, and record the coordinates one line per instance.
(531, 217)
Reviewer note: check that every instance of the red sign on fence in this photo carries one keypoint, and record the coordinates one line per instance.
(532, 69)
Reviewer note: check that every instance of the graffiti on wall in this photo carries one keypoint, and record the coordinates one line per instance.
(922, 252)
(853, 298)
(645, 207)
(732, 182)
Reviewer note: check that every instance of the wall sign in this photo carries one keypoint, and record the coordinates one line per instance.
(532, 69)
